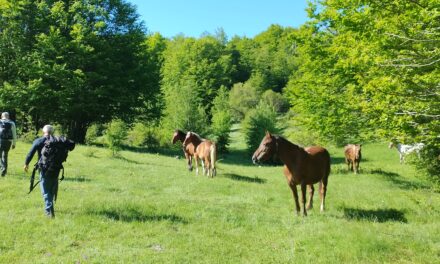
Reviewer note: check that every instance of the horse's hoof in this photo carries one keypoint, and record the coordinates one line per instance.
(309, 207)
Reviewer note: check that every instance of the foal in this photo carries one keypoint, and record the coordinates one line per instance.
(205, 150)
(188, 150)
(302, 167)
(353, 157)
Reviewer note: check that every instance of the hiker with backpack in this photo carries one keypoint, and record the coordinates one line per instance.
(8, 137)
(52, 152)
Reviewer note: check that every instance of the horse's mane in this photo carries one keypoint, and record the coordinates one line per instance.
(198, 136)
(180, 132)
(278, 137)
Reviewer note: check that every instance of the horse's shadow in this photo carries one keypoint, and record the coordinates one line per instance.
(134, 215)
(377, 215)
(237, 177)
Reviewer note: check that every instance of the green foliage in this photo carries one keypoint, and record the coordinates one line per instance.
(221, 120)
(243, 98)
(84, 60)
(115, 135)
(141, 135)
(257, 121)
(203, 63)
(276, 100)
(183, 110)
(94, 131)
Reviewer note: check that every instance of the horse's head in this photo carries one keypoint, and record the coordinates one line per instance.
(266, 149)
(176, 136)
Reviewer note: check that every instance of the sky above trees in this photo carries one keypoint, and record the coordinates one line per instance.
(236, 17)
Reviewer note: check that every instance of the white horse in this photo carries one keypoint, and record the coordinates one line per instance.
(406, 149)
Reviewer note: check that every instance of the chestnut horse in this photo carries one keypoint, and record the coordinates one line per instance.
(302, 167)
(205, 150)
(188, 150)
(353, 156)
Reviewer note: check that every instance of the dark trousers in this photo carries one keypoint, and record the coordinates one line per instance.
(5, 146)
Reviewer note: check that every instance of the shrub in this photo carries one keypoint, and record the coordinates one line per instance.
(143, 136)
(93, 132)
(259, 120)
(115, 135)
(221, 120)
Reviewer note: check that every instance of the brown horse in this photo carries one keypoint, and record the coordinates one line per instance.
(302, 167)
(205, 150)
(353, 157)
(188, 150)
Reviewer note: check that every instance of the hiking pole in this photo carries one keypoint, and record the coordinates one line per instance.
(32, 185)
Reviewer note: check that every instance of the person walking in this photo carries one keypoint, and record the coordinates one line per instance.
(52, 152)
(8, 138)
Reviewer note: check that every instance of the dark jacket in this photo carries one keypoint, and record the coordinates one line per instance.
(37, 146)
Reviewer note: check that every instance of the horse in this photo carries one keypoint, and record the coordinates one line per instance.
(206, 150)
(302, 166)
(406, 149)
(188, 150)
(353, 156)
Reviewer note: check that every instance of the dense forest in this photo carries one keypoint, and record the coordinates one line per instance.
(357, 71)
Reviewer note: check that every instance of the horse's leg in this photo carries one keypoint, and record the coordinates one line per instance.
(401, 158)
(203, 166)
(348, 164)
(356, 167)
(295, 197)
(310, 202)
(323, 192)
(303, 196)
(208, 167)
(196, 159)
(188, 159)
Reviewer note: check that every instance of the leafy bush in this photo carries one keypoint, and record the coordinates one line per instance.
(259, 120)
(143, 136)
(93, 133)
(183, 109)
(243, 97)
(115, 135)
(221, 120)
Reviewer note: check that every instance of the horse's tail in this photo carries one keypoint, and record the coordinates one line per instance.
(328, 164)
(213, 154)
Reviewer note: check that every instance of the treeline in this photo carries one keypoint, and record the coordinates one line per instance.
(356, 71)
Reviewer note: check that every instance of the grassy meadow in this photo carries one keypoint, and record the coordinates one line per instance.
(147, 208)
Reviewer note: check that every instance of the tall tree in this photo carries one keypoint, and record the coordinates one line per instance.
(79, 62)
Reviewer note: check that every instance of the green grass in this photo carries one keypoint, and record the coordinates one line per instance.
(147, 208)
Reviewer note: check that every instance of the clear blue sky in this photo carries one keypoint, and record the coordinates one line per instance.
(236, 17)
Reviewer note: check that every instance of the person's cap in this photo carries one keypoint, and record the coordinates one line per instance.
(5, 115)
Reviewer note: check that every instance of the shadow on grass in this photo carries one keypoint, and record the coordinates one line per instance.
(237, 177)
(396, 179)
(378, 215)
(76, 179)
(120, 157)
(134, 215)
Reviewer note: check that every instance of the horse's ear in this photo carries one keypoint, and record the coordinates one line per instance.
(267, 133)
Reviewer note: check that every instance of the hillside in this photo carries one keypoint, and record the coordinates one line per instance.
(147, 208)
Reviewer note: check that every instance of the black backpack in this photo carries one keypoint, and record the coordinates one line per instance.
(54, 153)
(5, 130)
